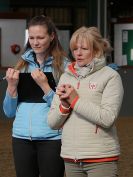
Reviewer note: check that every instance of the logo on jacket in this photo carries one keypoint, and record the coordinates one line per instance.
(92, 85)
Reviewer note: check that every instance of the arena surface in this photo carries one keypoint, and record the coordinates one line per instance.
(125, 133)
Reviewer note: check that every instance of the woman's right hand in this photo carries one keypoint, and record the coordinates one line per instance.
(12, 77)
(67, 94)
(61, 91)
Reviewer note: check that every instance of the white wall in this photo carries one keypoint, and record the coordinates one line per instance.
(12, 31)
(118, 57)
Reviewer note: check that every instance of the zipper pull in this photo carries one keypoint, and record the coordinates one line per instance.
(96, 129)
(78, 84)
(75, 160)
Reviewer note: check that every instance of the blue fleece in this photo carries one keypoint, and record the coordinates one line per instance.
(31, 118)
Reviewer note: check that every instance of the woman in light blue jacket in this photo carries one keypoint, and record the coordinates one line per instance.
(36, 147)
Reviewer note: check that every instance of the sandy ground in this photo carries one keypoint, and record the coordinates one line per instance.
(125, 133)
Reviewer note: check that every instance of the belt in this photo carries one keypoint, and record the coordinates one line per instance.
(108, 159)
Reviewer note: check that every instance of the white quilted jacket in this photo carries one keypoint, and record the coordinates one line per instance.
(89, 131)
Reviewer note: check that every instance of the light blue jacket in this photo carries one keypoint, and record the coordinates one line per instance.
(31, 118)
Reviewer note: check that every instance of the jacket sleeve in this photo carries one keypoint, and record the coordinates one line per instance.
(107, 111)
(55, 118)
(49, 97)
(10, 105)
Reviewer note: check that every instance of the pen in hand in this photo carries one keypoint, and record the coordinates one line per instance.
(2, 79)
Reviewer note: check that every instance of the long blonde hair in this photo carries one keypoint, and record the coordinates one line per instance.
(98, 45)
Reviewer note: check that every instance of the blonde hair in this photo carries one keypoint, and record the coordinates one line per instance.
(97, 44)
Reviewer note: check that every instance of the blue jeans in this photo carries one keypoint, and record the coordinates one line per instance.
(102, 169)
(37, 158)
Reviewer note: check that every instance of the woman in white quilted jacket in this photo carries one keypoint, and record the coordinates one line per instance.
(86, 105)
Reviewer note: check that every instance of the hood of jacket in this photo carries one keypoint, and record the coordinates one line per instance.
(29, 56)
(96, 64)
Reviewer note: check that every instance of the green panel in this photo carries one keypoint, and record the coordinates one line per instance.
(127, 45)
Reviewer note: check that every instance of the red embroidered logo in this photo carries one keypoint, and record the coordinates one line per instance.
(92, 86)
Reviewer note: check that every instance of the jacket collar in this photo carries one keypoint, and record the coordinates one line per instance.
(29, 57)
(95, 65)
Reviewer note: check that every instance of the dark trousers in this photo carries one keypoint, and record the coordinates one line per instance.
(37, 157)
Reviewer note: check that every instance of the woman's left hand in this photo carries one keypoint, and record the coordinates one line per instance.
(41, 79)
(70, 93)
